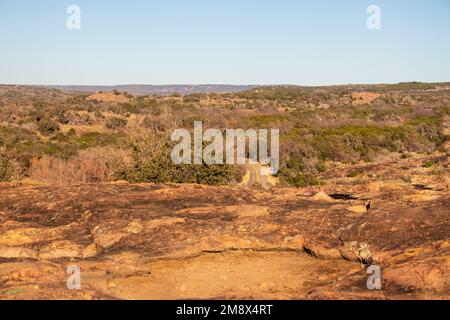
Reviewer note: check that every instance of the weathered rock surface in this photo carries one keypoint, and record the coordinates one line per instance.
(190, 241)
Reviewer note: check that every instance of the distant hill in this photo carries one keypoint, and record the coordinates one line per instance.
(159, 89)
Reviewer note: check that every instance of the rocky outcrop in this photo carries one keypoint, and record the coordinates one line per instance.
(189, 241)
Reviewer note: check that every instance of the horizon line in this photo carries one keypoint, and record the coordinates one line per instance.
(224, 84)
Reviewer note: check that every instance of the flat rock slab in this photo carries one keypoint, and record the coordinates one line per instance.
(159, 242)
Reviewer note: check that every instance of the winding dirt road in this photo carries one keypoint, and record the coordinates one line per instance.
(258, 175)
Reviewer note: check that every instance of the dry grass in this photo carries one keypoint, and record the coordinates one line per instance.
(90, 166)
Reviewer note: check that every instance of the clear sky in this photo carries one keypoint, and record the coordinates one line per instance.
(224, 42)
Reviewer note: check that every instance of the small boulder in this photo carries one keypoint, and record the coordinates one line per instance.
(357, 209)
(321, 196)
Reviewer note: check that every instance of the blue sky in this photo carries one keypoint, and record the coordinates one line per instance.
(224, 41)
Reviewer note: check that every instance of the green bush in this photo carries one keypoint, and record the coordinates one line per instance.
(98, 139)
(71, 132)
(47, 126)
(427, 164)
(5, 168)
(147, 106)
(152, 163)
(428, 127)
(267, 121)
(353, 143)
(116, 123)
(354, 173)
(302, 180)
(321, 167)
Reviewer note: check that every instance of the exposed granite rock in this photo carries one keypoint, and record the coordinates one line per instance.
(189, 241)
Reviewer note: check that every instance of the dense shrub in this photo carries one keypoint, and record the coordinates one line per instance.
(427, 164)
(47, 126)
(116, 123)
(352, 143)
(354, 173)
(5, 168)
(152, 163)
(301, 180)
(147, 106)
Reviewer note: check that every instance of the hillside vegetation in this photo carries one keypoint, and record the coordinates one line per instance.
(53, 137)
